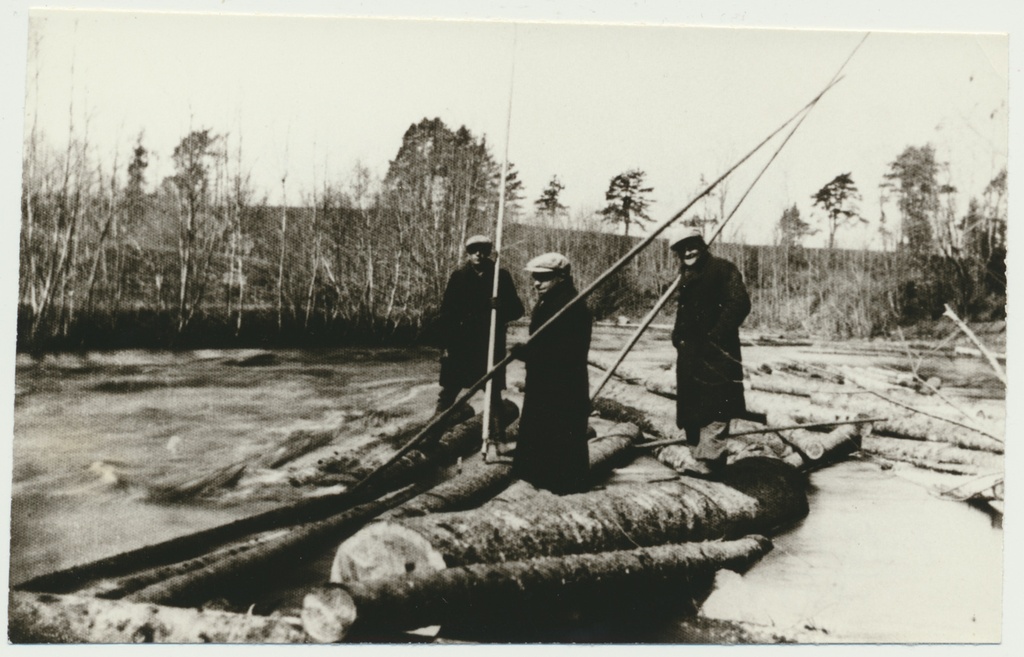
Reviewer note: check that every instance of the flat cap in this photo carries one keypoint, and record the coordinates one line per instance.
(478, 239)
(548, 262)
(690, 235)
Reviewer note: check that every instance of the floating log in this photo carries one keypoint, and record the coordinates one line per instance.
(550, 525)
(784, 409)
(221, 478)
(459, 441)
(616, 411)
(921, 427)
(479, 482)
(48, 618)
(520, 592)
(197, 586)
(656, 413)
(943, 457)
(807, 371)
(820, 449)
(904, 423)
(252, 358)
(762, 430)
(298, 443)
(989, 486)
(772, 341)
(118, 587)
(977, 353)
(349, 467)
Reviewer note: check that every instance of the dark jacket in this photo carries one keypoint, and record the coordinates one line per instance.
(713, 302)
(465, 321)
(551, 450)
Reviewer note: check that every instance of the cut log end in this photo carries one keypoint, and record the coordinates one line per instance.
(384, 550)
(327, 614)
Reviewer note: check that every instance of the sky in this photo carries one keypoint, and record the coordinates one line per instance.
(308, 98)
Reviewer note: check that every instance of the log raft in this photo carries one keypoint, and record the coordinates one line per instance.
(754, 496)
(553, 589)
(48, 618)
(193, 550)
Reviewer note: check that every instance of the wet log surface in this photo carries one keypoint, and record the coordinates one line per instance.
(48, 618)
(753, 496)
(479, 481)
(521, 594)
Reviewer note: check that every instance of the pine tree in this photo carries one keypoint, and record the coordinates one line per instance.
(627, 200)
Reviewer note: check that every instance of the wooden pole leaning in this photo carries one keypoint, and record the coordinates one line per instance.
(675, 284)
(636, 335)
(488, 445)
(622, 262)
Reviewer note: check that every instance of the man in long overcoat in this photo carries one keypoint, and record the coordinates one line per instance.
(465, 321)
(551, 450)
(713, 303)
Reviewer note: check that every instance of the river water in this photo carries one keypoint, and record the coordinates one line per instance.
(879, 559)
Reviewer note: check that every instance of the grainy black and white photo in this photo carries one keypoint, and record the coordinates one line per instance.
(505, 329)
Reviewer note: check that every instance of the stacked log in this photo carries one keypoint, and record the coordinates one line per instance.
(48, 618)
(549, 525)
(549, 589)
(942, 457)
(659, 412)
(236, 537)
(352, 465)
(479, 482)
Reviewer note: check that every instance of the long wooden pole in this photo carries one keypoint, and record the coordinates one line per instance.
(636, 335)
(989, 356)
(622, 262)
(664, 299)
(492, 339)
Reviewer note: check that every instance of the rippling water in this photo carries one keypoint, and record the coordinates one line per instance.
(879, 559)
(92, 434)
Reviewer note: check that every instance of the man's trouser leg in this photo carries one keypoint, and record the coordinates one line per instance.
(447, 397)
(713, 441)
(497, 426)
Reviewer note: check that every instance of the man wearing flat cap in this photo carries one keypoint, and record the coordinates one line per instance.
(465, 322)
(551, 449)
(713, 302)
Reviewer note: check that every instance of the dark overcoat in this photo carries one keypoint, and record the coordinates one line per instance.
(713, 302)
(551, 450)
(465, 321)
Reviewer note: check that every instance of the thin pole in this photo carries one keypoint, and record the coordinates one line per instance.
(675, 284)
(492, 338)
(472, 390)
(636, 335)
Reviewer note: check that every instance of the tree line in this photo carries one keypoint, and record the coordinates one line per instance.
(110, 258)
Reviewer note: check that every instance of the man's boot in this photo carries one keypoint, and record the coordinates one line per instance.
(713, 444)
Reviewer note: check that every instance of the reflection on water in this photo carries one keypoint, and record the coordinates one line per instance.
(879, 559)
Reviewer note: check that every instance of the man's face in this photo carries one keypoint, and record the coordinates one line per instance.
(543, 281)
(477, 254)
(690, 252)
(691, 255)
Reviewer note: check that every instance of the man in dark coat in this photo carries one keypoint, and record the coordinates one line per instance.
(465, 323)
(551, 450)
(713, 302)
